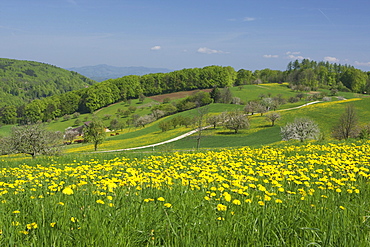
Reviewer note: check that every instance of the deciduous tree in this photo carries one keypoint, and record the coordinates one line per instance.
(94, 132)
(301, 129)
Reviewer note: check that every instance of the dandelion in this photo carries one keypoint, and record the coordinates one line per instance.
(248, 200)
(73, 219)
(236, 202)
(15, 223)
(341, 207)
(207, 198)
(261, 203)
(31, 226)
(61, 203)
(110, 198)
(100, 201)
(221, 207)
(168, 205)
(67, 191)
(16, 212)
(24, 232)
(149, 200)
(220, 218)
(161, 199)
(52, 224)
(278, 201)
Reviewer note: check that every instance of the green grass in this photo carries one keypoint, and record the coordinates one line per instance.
(302, 195)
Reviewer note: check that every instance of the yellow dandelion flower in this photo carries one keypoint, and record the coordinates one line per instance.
(161, 199)
(167, 205)
(100, 201)
(248, 200)
(15, 223)
(278, 201)
(24, 232)
(16, 212)
(220, 218)
(61, 203)
(67, 191)
(221, 207)
(261, 203)
(110, 198)
(52, 224)
(73, 219)
(237, 202)
(341, 207)
(207, 198)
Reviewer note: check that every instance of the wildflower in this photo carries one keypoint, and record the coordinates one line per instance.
(24, 232)
(261, 203)
(100, 201)
(341, 207)
(52, 224)
(248, 200)
(278, 201)
(32, 226)
(220, 218)
(110, 204)
(148, 200)
(221, 207)
(237, 202)
(207, 198)
(227, 197)
(168, 205)
(16, 212)
(61, 203)
(110, 198)
(67, 191)
(161, 199)
(73, 219)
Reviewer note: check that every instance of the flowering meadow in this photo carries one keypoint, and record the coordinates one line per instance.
(296, 195)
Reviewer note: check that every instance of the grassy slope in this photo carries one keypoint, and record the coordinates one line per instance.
(260, 133)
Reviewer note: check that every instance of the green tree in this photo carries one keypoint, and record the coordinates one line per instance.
(8, 114)
(236, 120)
(94, 132)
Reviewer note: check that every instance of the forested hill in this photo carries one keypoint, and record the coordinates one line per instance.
(23, 81)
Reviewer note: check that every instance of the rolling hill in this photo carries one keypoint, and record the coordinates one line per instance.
(22, 81)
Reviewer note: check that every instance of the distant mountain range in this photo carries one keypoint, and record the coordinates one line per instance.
(104, 72)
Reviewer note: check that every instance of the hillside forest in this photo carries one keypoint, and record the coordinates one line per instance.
(41, 92)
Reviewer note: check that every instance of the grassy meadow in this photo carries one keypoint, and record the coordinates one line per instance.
(296, 195)
(245, 189)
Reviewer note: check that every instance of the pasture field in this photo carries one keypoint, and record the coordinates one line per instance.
(307, 194)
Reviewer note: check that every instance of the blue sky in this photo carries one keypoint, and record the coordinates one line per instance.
(172, 34)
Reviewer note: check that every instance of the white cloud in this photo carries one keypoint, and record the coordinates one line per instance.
(296, 57)
(249, 19)
(270, 56)
(293, 52)
(362, 63)
(156, 48)
(331, 59)
(206, 50)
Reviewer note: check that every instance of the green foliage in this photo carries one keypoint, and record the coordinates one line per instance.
(22, 81)
(94, 132)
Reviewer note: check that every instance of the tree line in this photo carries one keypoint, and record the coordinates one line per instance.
(301, 75)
